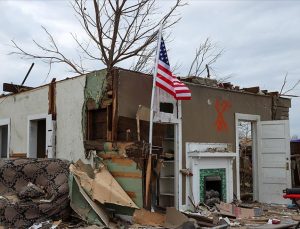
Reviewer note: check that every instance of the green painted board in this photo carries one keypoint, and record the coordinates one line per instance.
(80, 205)
(132, 185)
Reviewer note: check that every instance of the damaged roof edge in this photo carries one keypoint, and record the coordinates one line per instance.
(136, 72)
(207, 86)
(45, 85)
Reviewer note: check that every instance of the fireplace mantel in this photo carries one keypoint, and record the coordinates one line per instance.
(204, 157)
(210, 154)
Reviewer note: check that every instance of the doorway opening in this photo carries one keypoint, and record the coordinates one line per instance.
(37, 138)
(4, 141)
(245, 141)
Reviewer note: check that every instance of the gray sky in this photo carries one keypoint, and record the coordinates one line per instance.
(261, 40)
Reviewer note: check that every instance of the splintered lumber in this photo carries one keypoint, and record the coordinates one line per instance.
(201, 220)
(14, 88)
(273, 226)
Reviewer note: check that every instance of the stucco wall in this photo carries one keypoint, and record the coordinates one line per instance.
(18, 107)
(205, 121)
(69, 102)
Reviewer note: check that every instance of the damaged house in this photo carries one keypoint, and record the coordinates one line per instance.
(223, 144)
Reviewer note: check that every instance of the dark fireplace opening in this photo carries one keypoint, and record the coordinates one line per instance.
(213, 190)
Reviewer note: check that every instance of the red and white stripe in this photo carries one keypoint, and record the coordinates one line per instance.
(168, 82)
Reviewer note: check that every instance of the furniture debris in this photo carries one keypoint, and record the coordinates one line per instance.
(33, 190)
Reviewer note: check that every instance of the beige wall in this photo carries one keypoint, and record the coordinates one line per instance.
(18, 108)
(69, 102)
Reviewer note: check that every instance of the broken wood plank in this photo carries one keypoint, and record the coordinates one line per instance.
(199, 217)
(114, 123)
(254, 90)
(84, 206)
(94, 145)
(273, 226)
(52, 99)
(14, 88)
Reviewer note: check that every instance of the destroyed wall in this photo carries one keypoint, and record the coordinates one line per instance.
(17, 108)
(100, 135)
(209, 117)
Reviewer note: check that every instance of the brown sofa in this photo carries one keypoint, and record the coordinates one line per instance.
(50, 175)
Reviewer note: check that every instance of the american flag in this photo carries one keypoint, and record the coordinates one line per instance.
(166, 80)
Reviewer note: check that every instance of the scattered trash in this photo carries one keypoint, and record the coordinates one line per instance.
(47, 224)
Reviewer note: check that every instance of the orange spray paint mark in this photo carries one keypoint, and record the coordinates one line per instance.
(221, 107)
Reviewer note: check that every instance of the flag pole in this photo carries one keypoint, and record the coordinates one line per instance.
(148, 172)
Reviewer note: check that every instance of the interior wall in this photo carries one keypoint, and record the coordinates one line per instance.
(215, 111)
(134, 89)
(208, 118)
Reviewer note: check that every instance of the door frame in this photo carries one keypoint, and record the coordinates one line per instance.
(6, 122)
(29, 139)
(254, 119)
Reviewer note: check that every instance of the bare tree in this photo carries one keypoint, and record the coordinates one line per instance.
(206, 55)
(283, 91)
(117, 29)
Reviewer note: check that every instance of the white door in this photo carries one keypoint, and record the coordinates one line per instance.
(274, 172)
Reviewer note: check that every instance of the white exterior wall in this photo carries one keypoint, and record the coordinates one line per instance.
(17, 108)
(69, 135)
(69, 101)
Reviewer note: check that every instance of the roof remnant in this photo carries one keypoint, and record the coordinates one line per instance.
(14, 88)
(191, 79)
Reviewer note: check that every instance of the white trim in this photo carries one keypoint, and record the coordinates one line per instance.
(34, 118)
(178, 162)
(4, 122)
(254, 128)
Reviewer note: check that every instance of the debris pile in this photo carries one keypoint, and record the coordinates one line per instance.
(37, 193)
(212, 197)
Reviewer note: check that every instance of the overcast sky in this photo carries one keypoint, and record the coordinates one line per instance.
(261, 40)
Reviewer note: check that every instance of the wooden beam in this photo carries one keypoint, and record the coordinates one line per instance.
(115, 105)
(254, 90)
(14, 88)
(94, 145)
(52, 99)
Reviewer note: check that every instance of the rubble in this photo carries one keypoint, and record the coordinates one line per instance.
(101, 186)
(93, 193)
